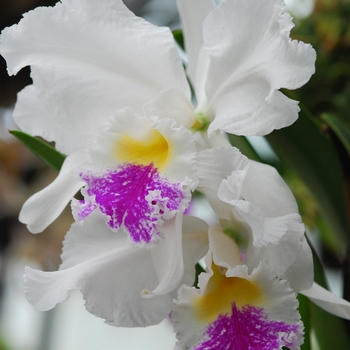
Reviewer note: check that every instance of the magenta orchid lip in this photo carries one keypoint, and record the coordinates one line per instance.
(133, 197)
(249, 328)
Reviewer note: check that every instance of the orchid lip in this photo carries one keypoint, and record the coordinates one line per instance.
(132, 197)
(249, 328)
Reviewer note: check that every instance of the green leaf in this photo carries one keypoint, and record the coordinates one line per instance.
(341, 129)
(41, 149)
(179, 38)
(313, 158)
(329, 330)
(304, 309)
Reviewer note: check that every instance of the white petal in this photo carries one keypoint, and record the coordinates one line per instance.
(32, 118)
(192, 14)
(200, 83)
(41, 209)
(172, 103)
(89, 59)
(45, 289)
(265, 188)
(300, 274)
(216, 164)
(109, 272)
(224, 249)
(279, 246)
(265, 206)
(328, 301)
(250, 217)
(195, 245)
(167, 258)
(188, 330)
(175, 265)
(237, 113)
(217, 139)
(230, 190)
(251, 56)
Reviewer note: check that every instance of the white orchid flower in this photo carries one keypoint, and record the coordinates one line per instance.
(137, 171)
(253, 202)
(241, 303)
(239, 55)
(90, 59)
(120, 283)
(136, 176)
(234, 308)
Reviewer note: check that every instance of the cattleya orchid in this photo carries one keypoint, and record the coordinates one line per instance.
(137, 174)
(254, 203)
(137, 171)
(131, 62)
(256, 206)
(235, 309)
(68, 106)
(83, 118)
(241, 305)
(247, 297)
(239, 55)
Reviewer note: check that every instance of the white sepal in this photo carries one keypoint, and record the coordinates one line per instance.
(328, 301)
(41, 209)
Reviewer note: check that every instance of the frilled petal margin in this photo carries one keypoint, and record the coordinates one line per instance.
(251, 56)
(254, 195)
(41, 209)
(237, 113)
(280, 238)
(91, 58)
(111, 274)
(214, 165)
(263, 183)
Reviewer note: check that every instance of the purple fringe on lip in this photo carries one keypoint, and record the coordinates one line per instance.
(133, 197)
(249, 329)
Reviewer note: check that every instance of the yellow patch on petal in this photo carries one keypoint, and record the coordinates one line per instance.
(152, 148)
(222, 291)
